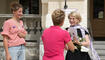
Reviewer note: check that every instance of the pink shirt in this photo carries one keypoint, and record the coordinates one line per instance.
(11, 30)
(54, 40)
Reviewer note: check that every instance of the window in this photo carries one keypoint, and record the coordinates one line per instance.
(98, 9)
(30, 6)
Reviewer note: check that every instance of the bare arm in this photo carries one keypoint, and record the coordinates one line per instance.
(87, 42)
(71, 46)
(21, 35)
(5, 43)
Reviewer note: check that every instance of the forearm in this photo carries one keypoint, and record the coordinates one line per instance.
(85, 43)
(22, 35)
(71, 46)
(5, 43)
(66, 47)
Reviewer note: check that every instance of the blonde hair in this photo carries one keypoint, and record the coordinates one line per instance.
(76, 15)
(15, 6)
(58, 17)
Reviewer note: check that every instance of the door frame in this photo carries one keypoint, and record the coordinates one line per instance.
(96, 23)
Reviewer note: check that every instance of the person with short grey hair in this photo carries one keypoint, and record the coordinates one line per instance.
(80, 38)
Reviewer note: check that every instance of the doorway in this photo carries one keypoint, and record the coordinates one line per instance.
(97, 18)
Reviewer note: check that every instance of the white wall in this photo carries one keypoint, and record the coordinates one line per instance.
(80, 5)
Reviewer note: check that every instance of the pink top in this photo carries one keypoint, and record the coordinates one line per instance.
(11, 30)
(54, 40)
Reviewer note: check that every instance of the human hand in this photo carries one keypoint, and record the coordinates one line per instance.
(21, 35)
(75, 40)
(8, 57)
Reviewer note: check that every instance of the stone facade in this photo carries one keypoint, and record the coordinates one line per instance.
(48, 6)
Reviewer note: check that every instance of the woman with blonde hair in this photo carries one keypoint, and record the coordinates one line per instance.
(80, 38)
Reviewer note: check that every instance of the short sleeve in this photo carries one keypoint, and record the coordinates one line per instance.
(67, 37)
(86, 33)
(6, 28)
(67, 28)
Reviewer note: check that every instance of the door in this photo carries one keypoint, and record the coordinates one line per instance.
(97, 17)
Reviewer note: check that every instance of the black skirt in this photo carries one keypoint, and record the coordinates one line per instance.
(77, 55)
